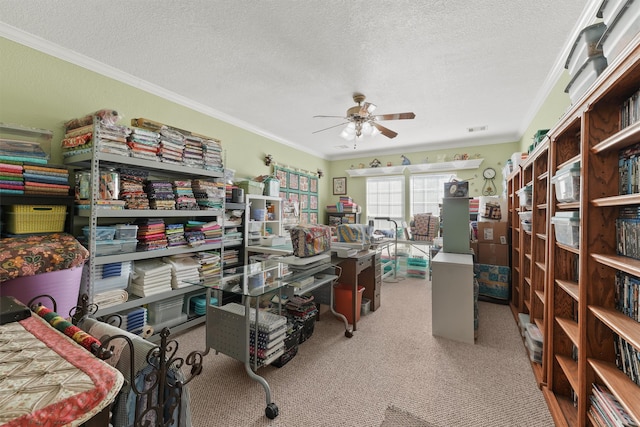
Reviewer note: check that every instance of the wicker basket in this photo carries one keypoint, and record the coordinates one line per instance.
(23, 219)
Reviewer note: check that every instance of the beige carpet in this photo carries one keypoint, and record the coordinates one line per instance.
(392, 361)
(395, 417)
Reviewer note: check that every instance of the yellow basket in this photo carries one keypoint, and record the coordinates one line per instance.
(23, 219)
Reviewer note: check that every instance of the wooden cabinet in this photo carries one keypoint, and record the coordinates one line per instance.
(582, 325)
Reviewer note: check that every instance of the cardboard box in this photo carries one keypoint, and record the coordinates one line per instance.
(493, 254)
(493, 232)
(474, 247)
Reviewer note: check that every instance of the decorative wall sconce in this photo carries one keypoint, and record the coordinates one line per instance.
(268, 159)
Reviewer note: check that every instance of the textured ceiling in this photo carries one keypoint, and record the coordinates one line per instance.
(270, 66)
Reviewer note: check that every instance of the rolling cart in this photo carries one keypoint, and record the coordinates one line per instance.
(232, 328)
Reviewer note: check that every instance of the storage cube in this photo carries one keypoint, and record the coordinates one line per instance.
(567, 183)
(567, 228)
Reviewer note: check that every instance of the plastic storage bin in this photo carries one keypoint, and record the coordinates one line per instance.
(365, 306)
(102, 233)
(586, 75)
(567, 228)
(585, 46)
(343, 301)
(251, 187)
(126, 232)
(525, 196)
(165, 310)
(622, 18)
(567, 183)
(25, 219)
(111, 247)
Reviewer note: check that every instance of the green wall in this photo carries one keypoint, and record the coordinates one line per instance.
(41, 91)
(494, 155)
(553, 108)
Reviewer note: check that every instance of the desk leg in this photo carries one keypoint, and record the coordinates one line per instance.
(354, 300)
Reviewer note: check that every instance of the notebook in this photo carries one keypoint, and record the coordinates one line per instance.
(12, 310)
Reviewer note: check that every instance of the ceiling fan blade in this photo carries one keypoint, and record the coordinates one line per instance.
(396, 116)
(330, 127)
(337, 117)
(385, 131)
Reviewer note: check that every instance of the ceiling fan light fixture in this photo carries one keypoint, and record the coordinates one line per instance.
(371, 108)
(375, 131)
(367, 129)
(348, 134)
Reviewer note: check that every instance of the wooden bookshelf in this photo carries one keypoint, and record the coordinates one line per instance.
(572, 289)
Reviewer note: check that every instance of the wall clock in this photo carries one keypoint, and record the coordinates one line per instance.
(489, 187)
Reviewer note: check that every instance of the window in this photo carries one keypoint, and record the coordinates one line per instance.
(427, 191)
(385, 198)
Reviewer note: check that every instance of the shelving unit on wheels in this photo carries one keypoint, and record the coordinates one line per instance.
(96, 216)
(232, 329)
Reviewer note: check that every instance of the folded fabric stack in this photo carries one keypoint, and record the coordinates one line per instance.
(151, 234)
(231, 256)
(211, 231)
(160, 195)
(185, 270)
(51, 179)
(209, 267)
(185, 200)
(208, 194)
(16, 149)
(112, 138)
(212, 154)
(193, 152)
(11, 178)
(150, 277)
(171, 146)
(134, 320)
(232, 237)
(132, 188)
(79, 138)
(144, 144)
(175, 235)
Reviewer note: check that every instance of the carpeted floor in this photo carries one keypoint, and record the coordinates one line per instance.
(392, 361)
(395, 417)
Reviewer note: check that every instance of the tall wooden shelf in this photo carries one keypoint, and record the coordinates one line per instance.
(572, 290)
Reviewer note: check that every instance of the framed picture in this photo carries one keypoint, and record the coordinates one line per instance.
(282, 177)
(340, 186)
(313, 202)
(293, 180)
(304, 183)
(304, 201)
(314, 185)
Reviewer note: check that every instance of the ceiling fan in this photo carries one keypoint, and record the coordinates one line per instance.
(361, 122)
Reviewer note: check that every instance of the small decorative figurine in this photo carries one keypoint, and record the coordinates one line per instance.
(389, 164)
(374, 163)
(360, 165)
(321, 173)
(268, 159)
(405, 160)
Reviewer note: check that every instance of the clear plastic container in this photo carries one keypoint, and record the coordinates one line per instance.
(165, 310)
(525, 195)
(567, 183)
(126, 232)
(567, 228)
(102, 233)
(111, 247)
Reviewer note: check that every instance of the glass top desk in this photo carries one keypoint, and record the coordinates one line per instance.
(231, 328)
